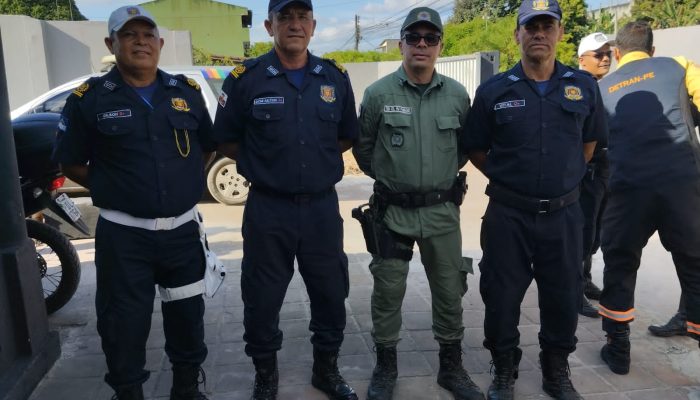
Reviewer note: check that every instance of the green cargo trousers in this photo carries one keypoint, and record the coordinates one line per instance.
(447, 275)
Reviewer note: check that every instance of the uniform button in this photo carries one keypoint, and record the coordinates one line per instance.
(302, 142)
(154, 138)
(301, 119)
(545, 151)
(162, 165)
(267, 116)
(303, 165)
(544, 124)
(164, 192)
(332, 115)
(299, 97)
(114, 128)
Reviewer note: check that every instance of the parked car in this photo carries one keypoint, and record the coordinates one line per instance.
(224, 183)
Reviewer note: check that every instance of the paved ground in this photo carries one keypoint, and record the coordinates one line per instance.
(667, 369)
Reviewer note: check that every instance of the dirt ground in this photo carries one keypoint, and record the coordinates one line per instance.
(351, 167)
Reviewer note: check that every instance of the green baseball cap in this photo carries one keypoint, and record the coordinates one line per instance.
(422, 14)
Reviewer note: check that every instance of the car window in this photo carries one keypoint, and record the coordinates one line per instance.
(54, 104)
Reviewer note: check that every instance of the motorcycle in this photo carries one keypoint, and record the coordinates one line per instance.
(40, 178)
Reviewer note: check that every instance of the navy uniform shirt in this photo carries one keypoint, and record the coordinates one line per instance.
(288, 136)
(143, 159)
(534, 142)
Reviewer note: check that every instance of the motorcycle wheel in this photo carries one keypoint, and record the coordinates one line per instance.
(58, 264)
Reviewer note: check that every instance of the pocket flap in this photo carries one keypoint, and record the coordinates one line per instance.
(328, 114)
(183, 121)
(114, 127)
(397, 120)
(448, 122)
(268, 112)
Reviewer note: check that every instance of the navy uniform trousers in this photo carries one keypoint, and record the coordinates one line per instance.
(631, 217)
(130, 262)
(593, 198)
(518, 247)
(276, 229)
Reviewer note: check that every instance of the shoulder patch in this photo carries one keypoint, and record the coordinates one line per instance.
(189, 81)
(337, 65)
(238, 71)
(85, 87)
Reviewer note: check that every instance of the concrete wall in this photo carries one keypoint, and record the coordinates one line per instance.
(678, 42)
(40, 55)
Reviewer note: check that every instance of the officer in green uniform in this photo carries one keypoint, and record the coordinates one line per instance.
(409, 125)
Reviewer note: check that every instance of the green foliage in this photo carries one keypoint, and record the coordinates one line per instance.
(352, 56)
(604, 23)
(258, 49)
(467, 10)
(202, 57)
(667, 13)
(575, 19)
(56, 10)
(483, 35)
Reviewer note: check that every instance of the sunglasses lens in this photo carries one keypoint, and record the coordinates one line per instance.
(414, 38)
(603, 54)
(431, 40)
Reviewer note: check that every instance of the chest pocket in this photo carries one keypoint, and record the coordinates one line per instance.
(266, 119)
(116, 127)
(396, 134)
(512, 127)
(329, 116)
(183, 121)
(447, 132)
(576, 113)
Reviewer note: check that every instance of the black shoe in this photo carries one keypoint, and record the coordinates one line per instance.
(327, 379)
(616, 353)
(381, 387)
(592, 291)
(134, 392)
(186, 381)
(588, 309)
(452, 375)
(556, 376)
(266, 378)
(504, 368)
(676, 326)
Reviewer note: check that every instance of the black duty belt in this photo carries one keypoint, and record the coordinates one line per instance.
(531, 204)
(415, 200)
(295, 197)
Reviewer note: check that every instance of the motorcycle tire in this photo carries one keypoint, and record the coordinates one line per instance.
(58, 264)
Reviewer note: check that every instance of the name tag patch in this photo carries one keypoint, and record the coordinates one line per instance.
(114, 114)
(398, 109)
(268, 100)
(509, 104)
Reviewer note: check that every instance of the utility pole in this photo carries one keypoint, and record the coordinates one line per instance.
(357, 33)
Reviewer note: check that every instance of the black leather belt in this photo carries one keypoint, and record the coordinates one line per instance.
(415, 200)
(295, 197)
(531, 204)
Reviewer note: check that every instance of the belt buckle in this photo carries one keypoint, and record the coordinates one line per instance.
(164, 224)
(543, 206)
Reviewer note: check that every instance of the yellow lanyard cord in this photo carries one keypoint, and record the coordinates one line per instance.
(186, 153)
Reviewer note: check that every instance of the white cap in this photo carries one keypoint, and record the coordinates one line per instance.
(593, 42)
(122, 15)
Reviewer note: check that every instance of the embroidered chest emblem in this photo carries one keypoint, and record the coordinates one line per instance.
(397, 139)
(573, 93)
(179, 104)
(328, 93)
(540, 5)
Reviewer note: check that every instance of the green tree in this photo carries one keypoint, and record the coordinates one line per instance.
(575, 20)
(605, 22)
(258, 49)
(352, 56)
(467, 10)
(64, 10)
(667, 13)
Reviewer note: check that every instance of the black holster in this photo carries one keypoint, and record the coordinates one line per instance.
(380, 240)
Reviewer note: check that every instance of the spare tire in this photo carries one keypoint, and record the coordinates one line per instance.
(225, 184)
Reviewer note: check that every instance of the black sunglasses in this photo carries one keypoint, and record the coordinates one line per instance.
(601, 54)
(414, 38)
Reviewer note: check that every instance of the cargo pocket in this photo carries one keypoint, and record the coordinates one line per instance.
(465, 269)
(447, 137)
(396, 134)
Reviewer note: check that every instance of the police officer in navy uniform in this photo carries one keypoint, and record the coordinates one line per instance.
(285, 118)
(654, 181)
(138, 138)
(531, 131)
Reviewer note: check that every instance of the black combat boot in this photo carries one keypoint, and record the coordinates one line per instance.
(326, 376)
(505, 372)
(617, 352)
(266, 378)
(381, 387)
(186, 380)
(452, 375)
(556, 380)
(675, 326)
(134, 392)
(587, 309)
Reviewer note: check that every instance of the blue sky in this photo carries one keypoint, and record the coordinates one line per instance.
(379, 19)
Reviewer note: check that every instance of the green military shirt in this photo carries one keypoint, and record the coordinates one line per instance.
(408, 142)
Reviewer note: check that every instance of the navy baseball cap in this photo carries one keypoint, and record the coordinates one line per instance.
(277, 5)
(532, 8)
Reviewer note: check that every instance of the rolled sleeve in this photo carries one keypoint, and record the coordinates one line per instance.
(477, 132)
(71, 146)
(595, 128)
(364, 147)
(349, 128)
(229, 122)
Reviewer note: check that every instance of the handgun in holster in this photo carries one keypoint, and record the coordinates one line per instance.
(459, 188)
(380, 240)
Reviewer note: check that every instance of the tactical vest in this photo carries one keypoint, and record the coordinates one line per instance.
(652, 138)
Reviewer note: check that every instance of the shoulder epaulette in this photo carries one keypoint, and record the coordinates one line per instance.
(189, 81)
(241, 69)
(337, 65)
(85, 86)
